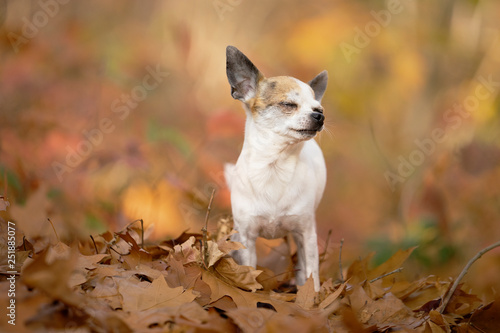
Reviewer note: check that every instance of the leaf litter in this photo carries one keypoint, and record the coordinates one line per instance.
(113, 282)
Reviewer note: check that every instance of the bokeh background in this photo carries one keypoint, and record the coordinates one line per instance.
(112, 111)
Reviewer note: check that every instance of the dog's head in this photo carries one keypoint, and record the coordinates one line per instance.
(283, 104)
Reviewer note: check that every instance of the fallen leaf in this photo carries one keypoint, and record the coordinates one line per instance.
(187, 251)
(244, 277)
(139, 296)
(243, 298)
(332, 297)
(3, 204)
(487, 318)
(393, 263)
(213, 253)
(31, 217)
(306, 294)
(52, 278)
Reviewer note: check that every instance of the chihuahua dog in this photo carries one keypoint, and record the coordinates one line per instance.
(280, 175)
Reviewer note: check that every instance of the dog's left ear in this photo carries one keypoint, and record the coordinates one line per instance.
(242, 74)
(318, 85)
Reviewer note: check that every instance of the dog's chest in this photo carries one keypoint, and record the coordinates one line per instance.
(274, 201)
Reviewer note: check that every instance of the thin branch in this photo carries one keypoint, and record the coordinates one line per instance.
(57, 236)
(340, 261)
(121, 254)
(323, 255)
(205, 231)
(450, 292)
(142, 233)
(95, 246)
(386, 274)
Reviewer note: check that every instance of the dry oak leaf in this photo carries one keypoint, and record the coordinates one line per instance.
(140, 296)
(306, 294)
(81, 265)
(393, 263)
(187, 252)
(333, 296)
(106, 289)
(244, 277)
(227, 246)
(265, 320)
(141, 321)
(213, 253)
(385, 312)
(51, 278)
(3, 204)
(244, 299)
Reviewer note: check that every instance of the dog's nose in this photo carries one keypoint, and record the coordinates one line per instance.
(319, 117)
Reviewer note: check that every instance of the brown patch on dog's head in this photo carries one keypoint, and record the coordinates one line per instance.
(273, 91)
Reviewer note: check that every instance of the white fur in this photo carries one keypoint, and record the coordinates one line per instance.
(278, 181)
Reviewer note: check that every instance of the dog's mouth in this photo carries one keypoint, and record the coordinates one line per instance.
(307, 132)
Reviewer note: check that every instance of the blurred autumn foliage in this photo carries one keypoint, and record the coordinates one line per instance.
(123, 282)
(117, 111)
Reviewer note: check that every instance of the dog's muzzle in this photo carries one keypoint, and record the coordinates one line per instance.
(318, 119)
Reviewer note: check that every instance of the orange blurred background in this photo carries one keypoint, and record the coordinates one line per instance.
(116, 111)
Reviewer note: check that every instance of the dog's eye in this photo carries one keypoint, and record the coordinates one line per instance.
(289, 105)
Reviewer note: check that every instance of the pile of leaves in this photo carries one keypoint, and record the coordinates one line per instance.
(119, 282)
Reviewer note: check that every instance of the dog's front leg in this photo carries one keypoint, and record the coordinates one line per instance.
(248, 255)
(308, 259)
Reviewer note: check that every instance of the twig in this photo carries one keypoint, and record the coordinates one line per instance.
(142, 233)
(54, 229)
(95, 246)
(205, 229)
(121, 254)
(323, 255)
(386, 274)
(450, 292)
(340, 261)
(142, 230)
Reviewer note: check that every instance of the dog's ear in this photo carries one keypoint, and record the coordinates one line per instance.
(242, 74)
(318, 85)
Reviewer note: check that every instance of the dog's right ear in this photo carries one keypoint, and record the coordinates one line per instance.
(242, 74)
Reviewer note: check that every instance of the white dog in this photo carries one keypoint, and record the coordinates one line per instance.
(280, 175)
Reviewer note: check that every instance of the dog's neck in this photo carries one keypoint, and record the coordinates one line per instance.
(257, 147)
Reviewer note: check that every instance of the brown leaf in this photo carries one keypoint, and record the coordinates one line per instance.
(51, 276)
(391, 264)
(265, 320)
(487, 319)
(225, 303)
(332, 297)
(306, 294)
(31, 218)
(105, 288)
(187, 251)
(244, 277)
(227, 246)
(386, 312)
(358, 270)
(438, 319)
(139, 296)
(267, 279)
(243, 298)
(213, 253)
(3, 204)
(82, 266)
(462, 303)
